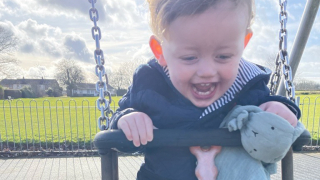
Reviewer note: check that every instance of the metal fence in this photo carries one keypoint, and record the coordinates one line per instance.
(310, 117)
(70, 126)
(51, 126)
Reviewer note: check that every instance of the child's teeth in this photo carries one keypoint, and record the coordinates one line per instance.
(204, 93)
(208, 84)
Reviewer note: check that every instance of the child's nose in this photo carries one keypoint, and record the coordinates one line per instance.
(206, 70)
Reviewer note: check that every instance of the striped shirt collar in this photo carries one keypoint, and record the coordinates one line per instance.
(247, 71)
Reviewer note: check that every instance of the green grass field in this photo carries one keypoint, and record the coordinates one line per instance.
(48, 120)
(310, 109)
(73, 121)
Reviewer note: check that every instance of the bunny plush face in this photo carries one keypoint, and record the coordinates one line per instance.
(265, 136)
(264, 132)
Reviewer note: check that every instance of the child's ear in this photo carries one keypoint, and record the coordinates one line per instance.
(156, 48)
(249, 34)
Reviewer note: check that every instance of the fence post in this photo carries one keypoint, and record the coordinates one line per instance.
(298, 101)
(287, 166)
(109, 165)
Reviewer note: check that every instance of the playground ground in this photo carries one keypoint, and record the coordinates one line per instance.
(306, 167)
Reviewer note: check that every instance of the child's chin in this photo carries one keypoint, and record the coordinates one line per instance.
(202, 104)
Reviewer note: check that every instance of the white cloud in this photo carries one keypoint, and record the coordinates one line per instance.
(1, 7)
(73, 5)
(311, 54)
(44, 40)
(53, 29)
(27, 47)
(71, 8)
(309, 70)
(297, 6)
(316, 25)
(120, 13)
(123, 13)
(46, 8)
(36, 72)
(8, 26)
(264, 43)
(40, 39)
(50, 47)
(76, 47)
(143, 52)
(35, 30)
(9, 7)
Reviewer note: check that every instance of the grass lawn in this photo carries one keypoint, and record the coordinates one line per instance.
(50, 122)
(310, 109)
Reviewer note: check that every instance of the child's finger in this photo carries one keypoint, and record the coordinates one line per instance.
(124, 126)
(149, 128)
(134, 131)
(141, 130)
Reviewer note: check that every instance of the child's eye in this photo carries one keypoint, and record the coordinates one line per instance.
(189, 58)
(223, 57)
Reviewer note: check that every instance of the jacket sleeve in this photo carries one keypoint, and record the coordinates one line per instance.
(148, 86)
(130, 102)
(292, 106)
(124, 108)
(260, 93)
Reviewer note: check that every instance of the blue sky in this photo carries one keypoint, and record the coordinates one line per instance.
(49, 30)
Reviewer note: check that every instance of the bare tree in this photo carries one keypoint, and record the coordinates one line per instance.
(8, 44)
(116, 79)
(69, 73)
(303, 84)
(130, 67)
(269, 61)
(121, 77)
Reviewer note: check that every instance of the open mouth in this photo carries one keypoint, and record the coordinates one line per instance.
(203, 90)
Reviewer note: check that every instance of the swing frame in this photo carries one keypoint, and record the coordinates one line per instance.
(108, 141)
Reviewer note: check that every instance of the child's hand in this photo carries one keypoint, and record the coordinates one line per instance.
(137, 127)
(280, 110)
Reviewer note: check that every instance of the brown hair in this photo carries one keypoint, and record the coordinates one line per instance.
(164, 12)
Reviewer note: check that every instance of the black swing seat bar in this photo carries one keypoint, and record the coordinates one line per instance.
(109, 139)
(108, 142)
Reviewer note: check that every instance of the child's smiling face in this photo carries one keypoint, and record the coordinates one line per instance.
(203, 51)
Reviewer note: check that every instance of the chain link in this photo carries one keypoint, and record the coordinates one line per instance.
(282, 59)
(102, 104)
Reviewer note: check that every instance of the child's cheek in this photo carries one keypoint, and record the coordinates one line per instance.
(231, 71)
(230, 74)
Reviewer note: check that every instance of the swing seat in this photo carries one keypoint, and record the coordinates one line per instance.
(304, 139)
(110, 141)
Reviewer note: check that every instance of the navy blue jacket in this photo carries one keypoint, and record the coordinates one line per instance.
(153, 93)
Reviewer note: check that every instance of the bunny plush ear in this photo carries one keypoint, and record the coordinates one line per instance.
(238, 117)
(238, 122)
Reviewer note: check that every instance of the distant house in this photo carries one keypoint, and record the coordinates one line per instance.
(89, 89)
(39, 85)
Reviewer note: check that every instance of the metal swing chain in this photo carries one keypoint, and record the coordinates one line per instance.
(282, 59)
(101, 86)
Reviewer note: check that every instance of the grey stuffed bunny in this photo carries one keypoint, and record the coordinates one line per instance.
(265, 136)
